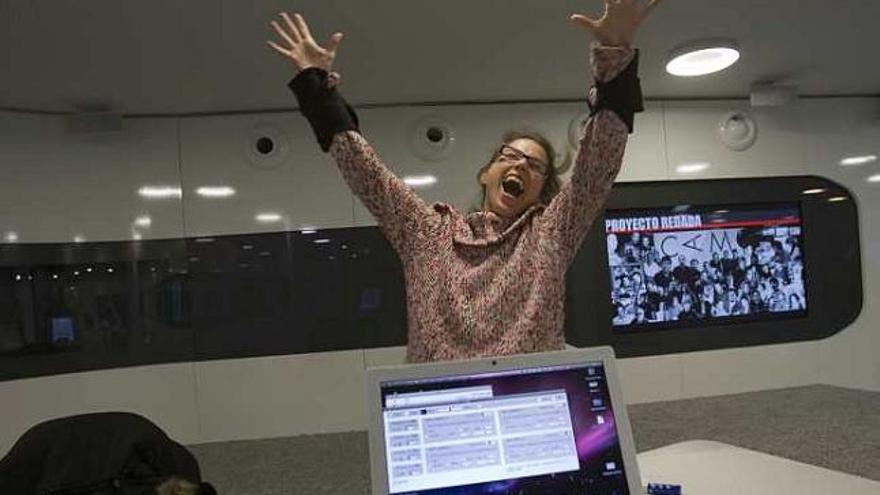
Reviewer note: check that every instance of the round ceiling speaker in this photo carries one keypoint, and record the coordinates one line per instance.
(738, 131)
(431, 138)
(266, 146)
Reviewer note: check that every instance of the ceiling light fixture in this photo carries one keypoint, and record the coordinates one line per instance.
(702, 57)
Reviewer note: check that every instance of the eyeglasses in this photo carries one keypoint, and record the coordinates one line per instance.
(510, 154)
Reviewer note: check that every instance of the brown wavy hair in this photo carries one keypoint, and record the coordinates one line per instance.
(551, 182)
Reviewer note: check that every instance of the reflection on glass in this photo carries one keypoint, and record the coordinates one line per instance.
(66, 307)
(691, 168)
(160, 192)
(215, 191)
(268, 217)
(418, 181)
(91, 306)
(858, 160)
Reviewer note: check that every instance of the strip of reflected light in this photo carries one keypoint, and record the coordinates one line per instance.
(691, 168)
(858, 160)
(215, 191)
(813, 191)
(268, 217)
(160, 192)
(321, 241)
(419, 180)
(837, 199)
(874, 178)
(143, 221)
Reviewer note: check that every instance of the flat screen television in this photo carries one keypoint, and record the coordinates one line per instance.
(704, 265)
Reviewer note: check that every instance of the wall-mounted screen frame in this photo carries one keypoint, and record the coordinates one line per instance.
(832, 269)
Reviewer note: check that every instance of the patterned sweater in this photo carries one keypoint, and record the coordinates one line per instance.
(479, 284)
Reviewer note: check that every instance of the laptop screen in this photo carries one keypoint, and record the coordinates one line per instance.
(539, 430)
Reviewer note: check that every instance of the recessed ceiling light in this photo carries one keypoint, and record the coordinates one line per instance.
(215, 191)
(858, 160)
(11, 236)
(702, 57)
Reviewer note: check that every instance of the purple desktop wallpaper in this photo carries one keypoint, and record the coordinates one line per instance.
(597, 444)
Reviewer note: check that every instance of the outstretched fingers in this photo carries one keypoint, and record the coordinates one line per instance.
(302, 26)
(281, 32)
(333, 42)
(294, 31)
(279, 49)
(585, 21)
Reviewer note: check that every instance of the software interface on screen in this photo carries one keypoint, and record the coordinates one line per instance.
(688, 265)
(540, 430)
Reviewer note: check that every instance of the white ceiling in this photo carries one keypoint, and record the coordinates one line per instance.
(191, 56)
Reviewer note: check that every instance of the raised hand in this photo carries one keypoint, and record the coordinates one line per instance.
(619, 24)
(300, 48)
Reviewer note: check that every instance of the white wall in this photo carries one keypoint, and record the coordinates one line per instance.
(59, 184)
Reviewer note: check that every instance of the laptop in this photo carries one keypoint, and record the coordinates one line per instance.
(548, 423)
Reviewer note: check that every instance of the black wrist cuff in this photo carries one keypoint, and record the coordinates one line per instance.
(324, 108)
(622, 95)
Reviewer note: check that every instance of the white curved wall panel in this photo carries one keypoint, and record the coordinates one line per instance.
(52, 178)
(59, 184)
(297, 181)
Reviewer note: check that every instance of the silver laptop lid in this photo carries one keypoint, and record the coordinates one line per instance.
(549, 423)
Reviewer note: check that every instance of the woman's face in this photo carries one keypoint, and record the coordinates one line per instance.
(512, 186)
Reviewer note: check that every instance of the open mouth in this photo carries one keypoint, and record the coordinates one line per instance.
(513, 186)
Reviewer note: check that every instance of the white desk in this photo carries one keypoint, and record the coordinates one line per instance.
(715, 468)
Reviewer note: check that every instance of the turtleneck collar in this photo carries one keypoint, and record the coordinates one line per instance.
(483, 228)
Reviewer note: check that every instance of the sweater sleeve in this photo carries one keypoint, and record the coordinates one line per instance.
(407, 221)
(569, 215)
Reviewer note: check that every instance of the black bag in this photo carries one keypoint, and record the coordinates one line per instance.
(95, 454)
